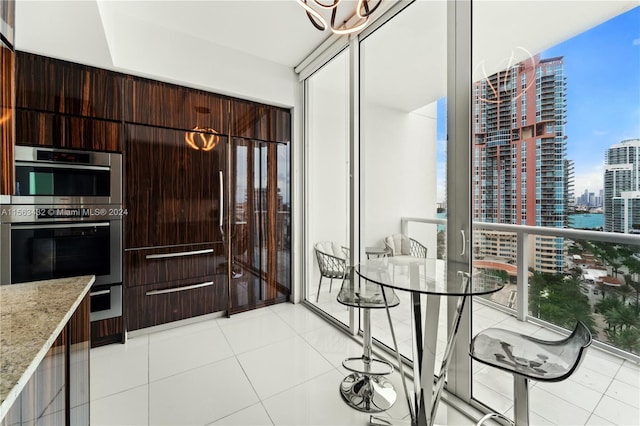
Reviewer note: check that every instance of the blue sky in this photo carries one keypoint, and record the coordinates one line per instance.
(602, 66)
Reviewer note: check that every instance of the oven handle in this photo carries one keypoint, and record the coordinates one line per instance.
(100, 293)
(176, 289)
(61, 225)
(61, 166)
(178, 254)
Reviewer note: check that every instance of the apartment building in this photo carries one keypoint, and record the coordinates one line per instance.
(622, 187)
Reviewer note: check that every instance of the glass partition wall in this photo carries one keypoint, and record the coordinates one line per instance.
(327, 185)
(450, 133)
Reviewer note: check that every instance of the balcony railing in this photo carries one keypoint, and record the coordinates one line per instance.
(519, 306)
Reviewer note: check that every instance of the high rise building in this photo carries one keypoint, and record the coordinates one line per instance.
(622, 187)
(520, 172)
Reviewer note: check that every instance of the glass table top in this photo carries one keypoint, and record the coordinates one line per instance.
(427, 276)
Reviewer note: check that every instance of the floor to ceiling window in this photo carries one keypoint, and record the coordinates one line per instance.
(507, 132)
(399, 91)
(327, 187)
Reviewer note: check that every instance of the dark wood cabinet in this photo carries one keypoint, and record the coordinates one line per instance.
(155, 103)
(165, 264)
(107, 331)
(154, 304)
(52, 85)
(263, 122)
(37, 128)
(173, 189)
(7, 120)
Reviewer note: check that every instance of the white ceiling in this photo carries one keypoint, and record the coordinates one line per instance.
(405, 60)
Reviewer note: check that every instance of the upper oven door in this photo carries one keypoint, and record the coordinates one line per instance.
(53, 176)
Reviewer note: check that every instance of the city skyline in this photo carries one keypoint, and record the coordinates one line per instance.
(602, 66)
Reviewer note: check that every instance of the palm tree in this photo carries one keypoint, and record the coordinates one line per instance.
(628, 339)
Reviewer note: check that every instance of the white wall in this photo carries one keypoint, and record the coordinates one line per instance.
(94, 34)
(398, 173)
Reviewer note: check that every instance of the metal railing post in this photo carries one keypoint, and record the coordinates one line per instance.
(522, 259)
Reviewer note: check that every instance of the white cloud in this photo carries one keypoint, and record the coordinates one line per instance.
(636, 41)
(590, 179)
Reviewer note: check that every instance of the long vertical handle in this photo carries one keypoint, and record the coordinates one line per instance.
(464, 243)
(221, 197)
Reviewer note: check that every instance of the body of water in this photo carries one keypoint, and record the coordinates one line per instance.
(577, 221)
(586, 221)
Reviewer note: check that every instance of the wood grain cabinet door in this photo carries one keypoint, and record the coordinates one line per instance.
(52, 85)
(35, 128)
(7, 123)
(166, 105)
(173, 186)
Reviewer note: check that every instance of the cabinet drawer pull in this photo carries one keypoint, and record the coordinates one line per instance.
(178, 254)
(176, 289)
(100, 293)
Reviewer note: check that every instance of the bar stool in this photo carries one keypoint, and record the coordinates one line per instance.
(366, 389)
(529, 358)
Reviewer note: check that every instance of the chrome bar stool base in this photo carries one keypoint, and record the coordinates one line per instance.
(370, 394)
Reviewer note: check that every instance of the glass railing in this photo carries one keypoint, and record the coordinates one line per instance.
(555, 277)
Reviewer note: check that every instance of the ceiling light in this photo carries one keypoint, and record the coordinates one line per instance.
(363, 11)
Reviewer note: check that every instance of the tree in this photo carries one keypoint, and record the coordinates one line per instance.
(628, 339)
(558, 299)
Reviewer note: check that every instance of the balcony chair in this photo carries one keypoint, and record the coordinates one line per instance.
(366, 389)
(528, 358)
(401, 245)
(332, 262)
(403, 250)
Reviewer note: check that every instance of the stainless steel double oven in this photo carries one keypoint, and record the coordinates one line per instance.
(65, 220)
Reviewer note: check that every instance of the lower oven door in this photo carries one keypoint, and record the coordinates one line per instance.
(59, 250)
(106, 302)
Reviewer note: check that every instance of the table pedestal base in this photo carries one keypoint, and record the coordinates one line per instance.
(370, 394)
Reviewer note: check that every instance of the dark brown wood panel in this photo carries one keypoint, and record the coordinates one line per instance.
(164, 264)
(52, 85)
(7, 123)
(78, 364)
(104, 332)
(146, 308)
(263, 122)
(172, 190)
(166, 105)
(37, 128)
(92, 134)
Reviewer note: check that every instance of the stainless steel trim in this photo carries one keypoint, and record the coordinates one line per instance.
(62, 165)
(27, 155)
(61, 225)
(177, 289)
(116, 304)
(221, 197)
(178, 254)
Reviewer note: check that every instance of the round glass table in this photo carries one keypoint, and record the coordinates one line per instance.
(430, 277)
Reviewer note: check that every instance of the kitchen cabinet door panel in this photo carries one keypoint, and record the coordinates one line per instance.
(173, 191)
(166, 302)
(7, 123)
(166, 105)
(53, 85)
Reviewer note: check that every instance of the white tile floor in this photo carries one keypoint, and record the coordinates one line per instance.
(274, 366)
(605, 390)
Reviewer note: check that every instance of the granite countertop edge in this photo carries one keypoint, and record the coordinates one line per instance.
(8, 399)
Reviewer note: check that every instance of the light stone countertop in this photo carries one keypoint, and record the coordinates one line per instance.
(32, 315)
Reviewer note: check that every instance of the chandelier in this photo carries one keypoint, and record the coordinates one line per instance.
(363, 12)
(202, 138)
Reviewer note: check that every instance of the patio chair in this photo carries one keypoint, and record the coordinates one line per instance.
(332, 262)
(402, 245)
(528, 358)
